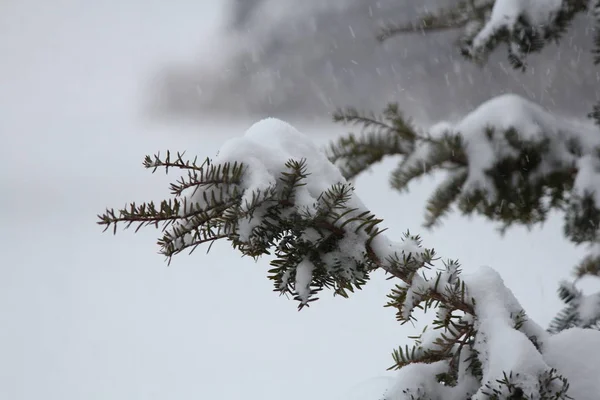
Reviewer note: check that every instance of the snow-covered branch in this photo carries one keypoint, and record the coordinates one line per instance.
(508, 160)
(273, 193)
(524, 26)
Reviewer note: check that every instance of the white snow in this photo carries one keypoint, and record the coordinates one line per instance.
(589, 308)
(413, 379)
(576, 354)
(418, 379)
(418, 287)
(304, 272)
(505, 14)
(266, 147)
(387, 249)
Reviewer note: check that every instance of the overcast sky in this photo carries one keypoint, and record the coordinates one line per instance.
(86, 315)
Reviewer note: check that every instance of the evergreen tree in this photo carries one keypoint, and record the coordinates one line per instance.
(273, 193)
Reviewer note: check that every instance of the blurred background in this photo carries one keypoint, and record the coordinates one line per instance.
(307, 58)
(88, 88)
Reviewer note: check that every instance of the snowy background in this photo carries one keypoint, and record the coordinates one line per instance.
(86, 315)
(311, 56)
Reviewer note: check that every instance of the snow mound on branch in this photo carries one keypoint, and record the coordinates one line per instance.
(575, 353)
(266, 147)
(506, 14)
(264, 150)
(533, 124)
(501, 347)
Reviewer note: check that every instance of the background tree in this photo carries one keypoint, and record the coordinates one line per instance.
(509, 160)
(273, 193)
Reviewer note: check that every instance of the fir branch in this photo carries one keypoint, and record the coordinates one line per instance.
(293, 179)
(446, 347)
(214, 211)
(391, 121)
(522, 37)
(428, 156)
(571, 315)
(353, 155)
(156, 161)
(147, 214)
(441, 20)
(388, 134)
(352, 116)
(439, 203)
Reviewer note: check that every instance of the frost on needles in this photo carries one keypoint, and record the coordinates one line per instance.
(273, 193)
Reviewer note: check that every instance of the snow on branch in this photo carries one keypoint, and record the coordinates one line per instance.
(581, 310)
(273, 193)
(385, 135)
(509, 160)
(525, 26)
